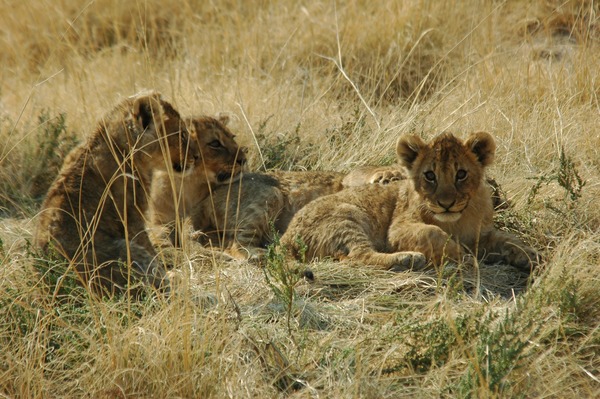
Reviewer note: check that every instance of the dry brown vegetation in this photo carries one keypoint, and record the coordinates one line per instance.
(318, 85)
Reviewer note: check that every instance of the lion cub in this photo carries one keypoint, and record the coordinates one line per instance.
(174, 194)
(94, 212)
(443, 208)
(241, 217)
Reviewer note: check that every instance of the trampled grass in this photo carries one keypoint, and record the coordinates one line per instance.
(318, 85)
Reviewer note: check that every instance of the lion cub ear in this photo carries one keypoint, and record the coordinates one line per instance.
(408, 149)
(223, 118)
(482, 144)
(148, 110)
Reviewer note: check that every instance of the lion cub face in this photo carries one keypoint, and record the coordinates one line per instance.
(446, 172)
(221, 158)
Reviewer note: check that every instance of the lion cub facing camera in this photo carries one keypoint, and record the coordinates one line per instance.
(443, 208)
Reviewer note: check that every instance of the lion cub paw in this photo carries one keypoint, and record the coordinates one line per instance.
(522, 257)
(402, 261)
(386, 177)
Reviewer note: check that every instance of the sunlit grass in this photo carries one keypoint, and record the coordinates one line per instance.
(318, 85)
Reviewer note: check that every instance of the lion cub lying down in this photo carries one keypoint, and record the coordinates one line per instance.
(241, 217)
(443, 208)
(174, 195)
(94, 212)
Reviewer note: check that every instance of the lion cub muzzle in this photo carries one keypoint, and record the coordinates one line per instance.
(235, 171)
(448, 211)
(447, 217)
(188, 157)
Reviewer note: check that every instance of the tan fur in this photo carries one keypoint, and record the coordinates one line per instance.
(94, 212)
(442, 212)
(174, 195)
(240, 215)
(243, 216)
(373, 175)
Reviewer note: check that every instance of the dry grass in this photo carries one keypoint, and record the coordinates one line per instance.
(322, 85)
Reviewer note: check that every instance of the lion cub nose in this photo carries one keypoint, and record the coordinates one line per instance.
(241, 157)
(446, 204)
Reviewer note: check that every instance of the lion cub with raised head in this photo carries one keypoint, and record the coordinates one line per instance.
(443, 208)
(94, 212)
(175, 194)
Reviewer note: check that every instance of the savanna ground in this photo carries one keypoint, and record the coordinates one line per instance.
(313, 85)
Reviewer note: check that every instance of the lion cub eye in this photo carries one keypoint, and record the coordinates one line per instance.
(461, 175)
(215, 144)
(430, 176)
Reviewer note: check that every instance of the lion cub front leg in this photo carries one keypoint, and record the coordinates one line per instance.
(499, 245)
(355, 241)
(430, 240)
(395, 262)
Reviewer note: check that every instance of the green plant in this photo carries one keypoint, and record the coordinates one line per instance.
(18, 318)
(282, 150)
(500, 350)
(565, 175)
(281, 277)
(52, 309)
(431, 343)
(57, 277)
(339, 135)
(27, 175)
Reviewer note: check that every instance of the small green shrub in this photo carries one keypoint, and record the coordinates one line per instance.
(50, 307)
(29, 170)
(501, 347)
(356, 125)
(56, 276)
(566, 175)
(280, 277)
(284, 150)
(431, 343)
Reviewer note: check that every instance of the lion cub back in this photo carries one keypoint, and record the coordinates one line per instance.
(247, 212)
(326, 226)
